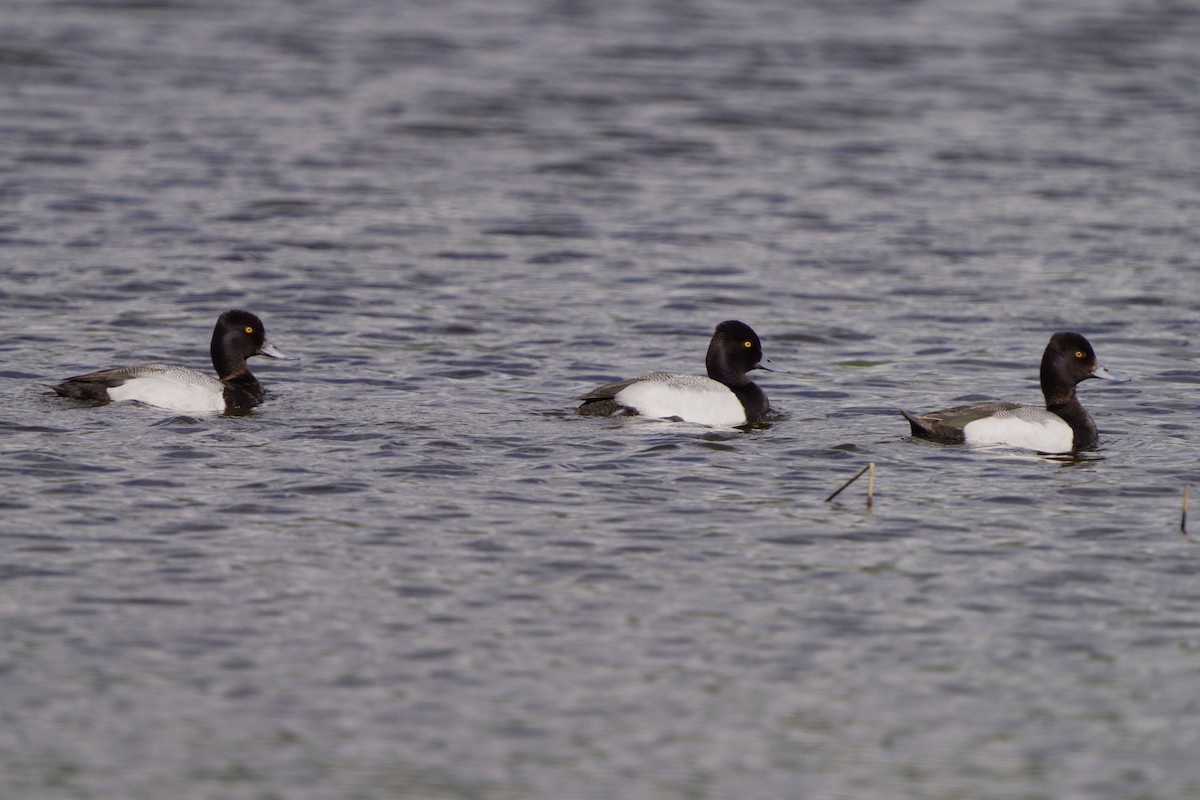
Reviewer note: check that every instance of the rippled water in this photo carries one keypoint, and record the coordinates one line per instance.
(413, 574)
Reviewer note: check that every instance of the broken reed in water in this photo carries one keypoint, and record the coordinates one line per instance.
(1183, 514)
(870, 470)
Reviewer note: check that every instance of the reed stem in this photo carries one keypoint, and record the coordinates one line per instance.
(870, 470)
(1183, 514)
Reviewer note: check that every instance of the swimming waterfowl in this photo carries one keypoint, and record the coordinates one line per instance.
(726, 397)
(1063, 426)
(238, 335)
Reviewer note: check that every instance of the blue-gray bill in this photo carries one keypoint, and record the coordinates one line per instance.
(271, 351)
(1105, 374)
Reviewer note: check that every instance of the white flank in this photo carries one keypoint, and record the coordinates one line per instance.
(692, 398)
(173, 388)
(1033, 428)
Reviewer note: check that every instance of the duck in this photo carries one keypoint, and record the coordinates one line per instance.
(726, 397)
(1063, 426)
(238, 335)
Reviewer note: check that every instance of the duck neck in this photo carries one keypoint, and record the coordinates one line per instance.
(720, 370)
(229, 367)
(1062, 402)
(242, 389)
(753, 399)
(1056, 388)
(1075, 415)
(245, 380)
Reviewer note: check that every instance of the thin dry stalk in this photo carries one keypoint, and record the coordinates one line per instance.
(1183, 514)
(870, 485)
(870, 470)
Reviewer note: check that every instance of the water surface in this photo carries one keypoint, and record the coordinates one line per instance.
(413, 574)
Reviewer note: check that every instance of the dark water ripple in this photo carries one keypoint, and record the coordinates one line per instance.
(412, 573)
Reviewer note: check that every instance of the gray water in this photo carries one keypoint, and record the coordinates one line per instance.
(412, 573)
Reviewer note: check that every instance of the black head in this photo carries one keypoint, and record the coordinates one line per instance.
(1068, 360)
(733, 351)
(238, 336)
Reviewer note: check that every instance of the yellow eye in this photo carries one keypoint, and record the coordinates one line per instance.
(249, 329)
(1079, 354)
(747, 344)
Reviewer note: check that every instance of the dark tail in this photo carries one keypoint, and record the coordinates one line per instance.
(918, 429)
